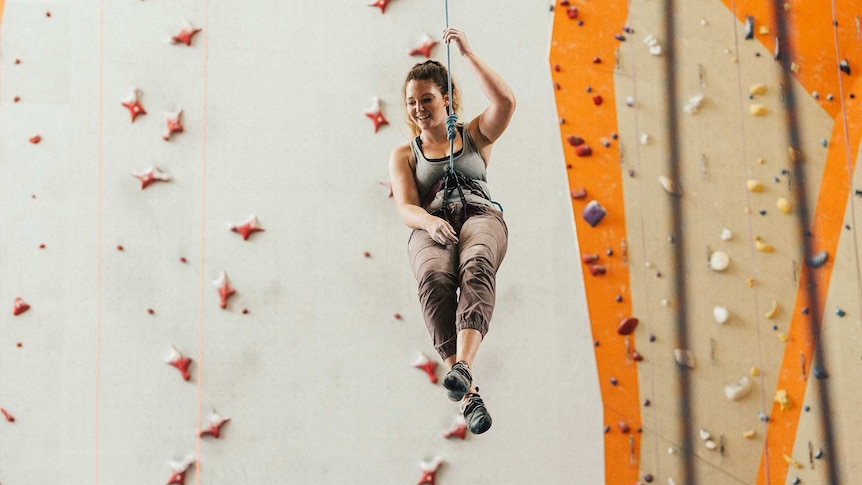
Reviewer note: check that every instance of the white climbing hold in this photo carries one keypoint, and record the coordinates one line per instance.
(645, 139)
(710, 444)
(721, 314)
(719, 261)
(668, 185)
(737, 391)
(630, 101)
(704, 434)
(726, 235)
(694, 103)
(655, 50)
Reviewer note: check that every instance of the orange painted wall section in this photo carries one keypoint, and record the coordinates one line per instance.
(582, 57)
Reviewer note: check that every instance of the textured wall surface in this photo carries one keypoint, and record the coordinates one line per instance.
(307, 359)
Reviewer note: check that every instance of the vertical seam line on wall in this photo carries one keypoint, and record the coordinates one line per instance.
(755, 270)
(202, 274)
(100, 203)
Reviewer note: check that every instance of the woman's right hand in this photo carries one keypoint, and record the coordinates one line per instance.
(441, 231)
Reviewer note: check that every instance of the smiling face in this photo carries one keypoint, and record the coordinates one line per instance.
(426, 105)
(426, 97)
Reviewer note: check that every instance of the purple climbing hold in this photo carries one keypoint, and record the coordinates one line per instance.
(593, 213)
(648, 478)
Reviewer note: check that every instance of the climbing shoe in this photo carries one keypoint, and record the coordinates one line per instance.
(458, 381)
(475, 413)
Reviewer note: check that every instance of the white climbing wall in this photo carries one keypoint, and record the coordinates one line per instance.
(307, 359)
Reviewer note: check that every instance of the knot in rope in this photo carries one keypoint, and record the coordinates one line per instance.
(450, 126)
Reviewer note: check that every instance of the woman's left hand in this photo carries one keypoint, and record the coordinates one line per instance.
(460, 39)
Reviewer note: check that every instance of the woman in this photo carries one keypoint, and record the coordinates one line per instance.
(457, 244)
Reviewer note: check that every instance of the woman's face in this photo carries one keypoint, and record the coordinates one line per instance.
(426, 105)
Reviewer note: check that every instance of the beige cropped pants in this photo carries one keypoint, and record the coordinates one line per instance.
(457, 282)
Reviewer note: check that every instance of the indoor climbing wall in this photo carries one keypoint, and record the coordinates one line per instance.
(711, 149)
(203, 278)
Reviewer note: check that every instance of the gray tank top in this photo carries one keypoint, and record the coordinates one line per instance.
(468, 161)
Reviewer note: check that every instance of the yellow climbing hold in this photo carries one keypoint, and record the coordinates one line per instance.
(760, 160)
(792, 152)
(749, 434)
(764, 30)
(790, 461)
(784, 205)
(754, 185)
(757, 89)
(772, 311)
(758, 109)
(783, 400)
(749, 282)
(762, 246)
(755, 371)
(794, 67)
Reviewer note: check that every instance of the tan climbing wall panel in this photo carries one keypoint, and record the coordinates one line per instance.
(736, 165)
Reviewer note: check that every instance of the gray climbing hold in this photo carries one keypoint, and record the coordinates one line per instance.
(820, 372)
(840, 312)
(684, 358)
(593, 213)
(818, 259)
(845, 66)
(749, 27)
(819, 454)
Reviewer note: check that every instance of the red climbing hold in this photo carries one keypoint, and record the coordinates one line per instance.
(597, 100)
(589, 258)
(564, 3)
(35, 139)
(153, 174)
(574, 140)
(583, 150)
(381, 4)
(19, 306)
(181, 362)
(133, 105)
(376, 115)
(224, 289)
(427, 365)
(185, 36)
(429, 471)
(572, 12)
(7, 416)
(247, 228)
(598, 269)
(624, 427)
(174, 124)
(16, 99)
(627, 326)
(216, 421)
(458, 429)
(180, 469)
(424, 49)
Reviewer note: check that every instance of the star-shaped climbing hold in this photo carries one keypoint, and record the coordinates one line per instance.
(19, 306)
(375, 114)
(133, 105)
(180, 469)
(425, 47)
(225, 291)
(181, 362)
(429, 471)
(174, 124)
(185, 36)
(427, 365)
(247, 228)
(458, 429)
(151, 175)
(381, 4)
(216, 421)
